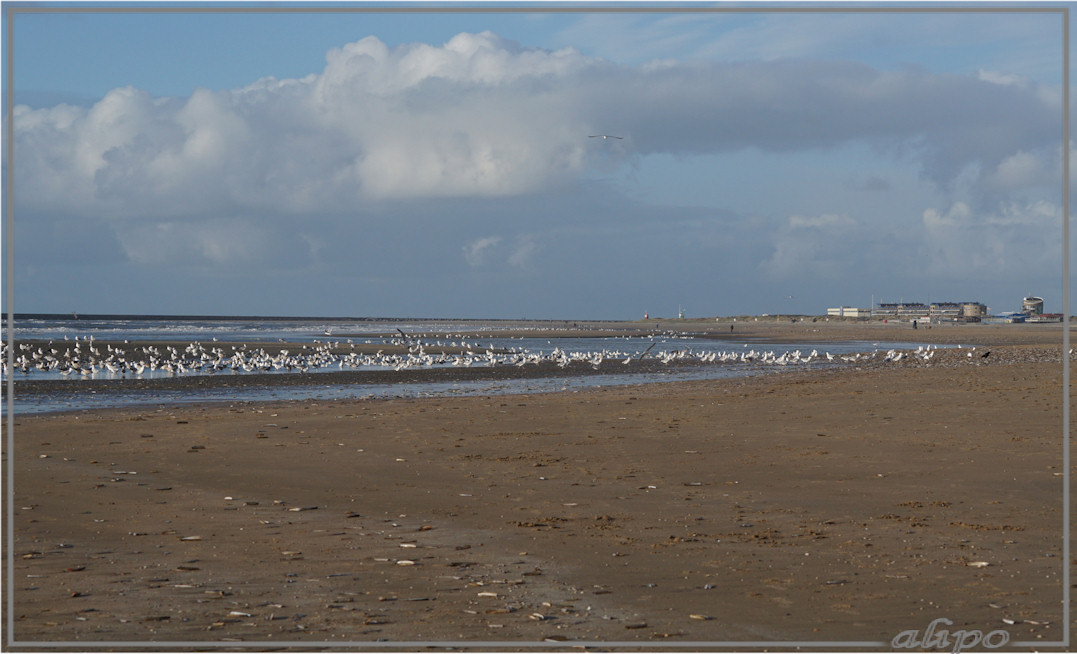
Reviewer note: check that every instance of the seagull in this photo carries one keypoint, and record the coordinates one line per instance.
(605, 136)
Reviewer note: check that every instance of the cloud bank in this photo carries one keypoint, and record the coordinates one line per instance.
(330, 172)
(481, 116)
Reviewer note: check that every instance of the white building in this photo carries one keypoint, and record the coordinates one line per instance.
(848, 312)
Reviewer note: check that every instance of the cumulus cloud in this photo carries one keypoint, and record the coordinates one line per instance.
(212, 243)
(1014, 240)
(959, 246)
(1017, 170)
(999, 77)
(825, 221)
(496, 252)
(872, 183)
(481, 116)
(813, 246)
(475, 252)
(524, 251)
(480, 146)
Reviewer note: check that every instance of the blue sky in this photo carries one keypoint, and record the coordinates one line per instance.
(438, 164)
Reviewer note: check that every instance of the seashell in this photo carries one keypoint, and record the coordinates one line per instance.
(405, 562)
(977, 564)
(487, 594)
(190, 538)
(408, 545)
(697, 616)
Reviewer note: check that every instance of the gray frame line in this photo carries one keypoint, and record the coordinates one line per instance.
(464, 644)
(9, 214)
(1065, 343)
(9, 233)
(448, 7)
(1066, 585)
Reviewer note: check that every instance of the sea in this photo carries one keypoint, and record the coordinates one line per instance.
(65, 331)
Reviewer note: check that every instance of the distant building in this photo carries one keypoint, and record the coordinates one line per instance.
(973, 311)
(848, 312)
(1006, 318)
(936, 311)
(1045, 317)
(1032, 306)
(1031, 311)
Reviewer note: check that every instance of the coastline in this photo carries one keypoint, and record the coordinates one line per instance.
(1045, 340)
(828, 505)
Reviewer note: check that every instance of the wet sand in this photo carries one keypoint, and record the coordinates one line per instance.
(839, 505)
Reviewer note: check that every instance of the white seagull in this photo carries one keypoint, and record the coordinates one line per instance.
(605, 136)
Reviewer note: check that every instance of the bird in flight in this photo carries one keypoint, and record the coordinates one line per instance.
(605, 136)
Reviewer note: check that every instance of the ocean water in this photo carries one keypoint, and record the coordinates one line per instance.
(226, 329)
(66, 331)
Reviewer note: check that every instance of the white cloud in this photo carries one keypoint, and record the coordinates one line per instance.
(523, 252)
(815, 247)
(826, 221)
(475, 253)
(1001, 78)
(936, 221)
(481, 116)
(496, 252)
(1012, 241)
(219, 244)
(1019, 170)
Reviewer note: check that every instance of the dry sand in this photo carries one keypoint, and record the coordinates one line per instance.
(843, 505)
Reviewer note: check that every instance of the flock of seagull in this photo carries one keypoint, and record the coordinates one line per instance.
(87, 359)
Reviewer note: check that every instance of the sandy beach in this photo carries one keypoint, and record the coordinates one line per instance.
(840, 505)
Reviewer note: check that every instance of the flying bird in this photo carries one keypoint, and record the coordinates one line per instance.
(605, 136)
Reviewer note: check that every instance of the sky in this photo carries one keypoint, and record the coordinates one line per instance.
(433, 162)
